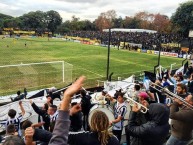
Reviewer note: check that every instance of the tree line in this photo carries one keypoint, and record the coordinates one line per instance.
(181, 21)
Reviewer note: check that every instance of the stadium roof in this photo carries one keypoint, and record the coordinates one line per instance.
(130, 30)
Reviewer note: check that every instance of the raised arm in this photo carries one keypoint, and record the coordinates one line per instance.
(22, 109)
(60, 133)
(179, 115)
(37, 109)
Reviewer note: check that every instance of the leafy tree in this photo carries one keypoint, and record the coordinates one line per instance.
(11, 23)
(118, 22)
(64, 27)
(183, 17)
(3, 16)
(53, 20)
(74, 23)
(132, 23)
(88, 25)
(144, 18)
(162, 23)
(33, 20)
(105, 20)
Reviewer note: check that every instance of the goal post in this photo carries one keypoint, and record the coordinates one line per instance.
(33, 75)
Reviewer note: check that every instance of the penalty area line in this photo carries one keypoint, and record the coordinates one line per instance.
(92, 72)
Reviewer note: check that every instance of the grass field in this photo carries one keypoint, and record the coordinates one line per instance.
(87, 60)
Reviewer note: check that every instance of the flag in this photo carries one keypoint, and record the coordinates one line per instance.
(180, 70)
(185, 67)
(150, 75)
(173, 71)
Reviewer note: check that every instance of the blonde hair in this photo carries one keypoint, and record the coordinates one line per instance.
(100, 124)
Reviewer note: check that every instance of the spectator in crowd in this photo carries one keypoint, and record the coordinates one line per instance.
(181, 90)
(60, 133)
(11, 130)
(142, 96)
(133, 40)
(190, 84)
(181, 123)
(19, 97)
(136, 92)
(43, 116)
(40, 136)
(120, 110)
(76, 119)
(13, 140)
(28, 123)
(85, 105)
(25, 92)
(99, 134)
(154, 131)
(53, 113)
(13, 119)
(141, 118)
(49, 100)
(180, 79)
(165, 82)
(173, 79)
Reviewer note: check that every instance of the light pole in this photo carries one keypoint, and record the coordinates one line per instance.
(158, 63)
(108, 53)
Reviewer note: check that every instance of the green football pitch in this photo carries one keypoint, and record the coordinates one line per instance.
(87, 60)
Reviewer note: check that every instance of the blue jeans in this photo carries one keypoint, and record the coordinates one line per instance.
(174, 141)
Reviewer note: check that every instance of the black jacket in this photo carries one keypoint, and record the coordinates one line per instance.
(42, 136)
(85, 104)
(76, 122)
(160, 95)
(43, 114)
(88, 138)
(155, 131)
(74, 138)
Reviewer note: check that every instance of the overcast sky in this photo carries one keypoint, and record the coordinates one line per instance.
(89, 9)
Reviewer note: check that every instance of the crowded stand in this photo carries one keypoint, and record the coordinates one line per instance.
(147, 40)
(155, 111)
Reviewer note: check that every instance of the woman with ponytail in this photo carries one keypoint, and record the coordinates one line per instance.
(99, 134)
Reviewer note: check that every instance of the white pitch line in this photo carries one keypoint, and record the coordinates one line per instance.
(92, 72)
(130, 62)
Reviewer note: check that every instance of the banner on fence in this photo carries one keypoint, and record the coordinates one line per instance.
(169, 54)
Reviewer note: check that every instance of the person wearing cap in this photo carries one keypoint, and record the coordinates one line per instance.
(143, 96)
(141, 117)
(154, 131)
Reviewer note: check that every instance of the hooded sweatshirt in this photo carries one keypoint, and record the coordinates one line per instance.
(155, 131)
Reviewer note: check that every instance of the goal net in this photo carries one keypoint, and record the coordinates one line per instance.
(34, 75)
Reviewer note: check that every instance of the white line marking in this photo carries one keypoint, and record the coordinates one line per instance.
(92, 72)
